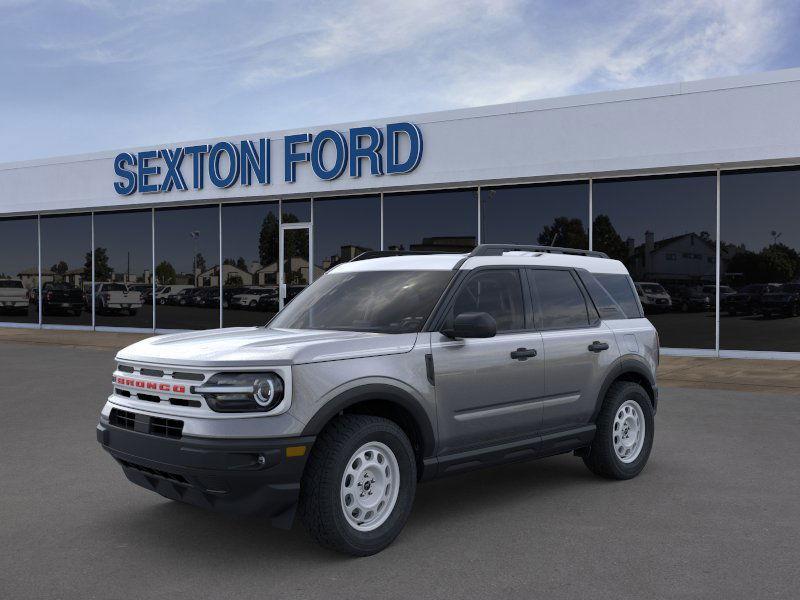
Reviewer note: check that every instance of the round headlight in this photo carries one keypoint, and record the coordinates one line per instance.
(264, 392)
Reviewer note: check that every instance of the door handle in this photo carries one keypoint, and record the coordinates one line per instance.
(523, 353)
(598, 346)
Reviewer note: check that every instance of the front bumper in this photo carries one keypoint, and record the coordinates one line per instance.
(240, 476)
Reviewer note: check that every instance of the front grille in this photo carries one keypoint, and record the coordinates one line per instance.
(122, 418)
(171, 428)
(157, 472)
(159, 426)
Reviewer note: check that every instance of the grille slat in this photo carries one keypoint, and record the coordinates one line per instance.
(171, 428)
(158, 426)
(188, 376)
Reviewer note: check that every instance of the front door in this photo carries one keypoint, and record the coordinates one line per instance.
(295, 272)
(489, 389)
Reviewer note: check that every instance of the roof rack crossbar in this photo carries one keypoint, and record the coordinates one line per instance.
(500, 249)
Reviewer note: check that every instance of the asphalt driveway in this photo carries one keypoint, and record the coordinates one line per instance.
(714, 515)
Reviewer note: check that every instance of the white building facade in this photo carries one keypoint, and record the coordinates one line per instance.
(692, 185)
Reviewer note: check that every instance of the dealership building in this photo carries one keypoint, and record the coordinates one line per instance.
(694, 186)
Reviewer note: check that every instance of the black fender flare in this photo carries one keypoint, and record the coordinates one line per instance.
(627, 364)
(380, 392)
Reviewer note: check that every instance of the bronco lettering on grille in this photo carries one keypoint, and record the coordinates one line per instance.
(149, 385)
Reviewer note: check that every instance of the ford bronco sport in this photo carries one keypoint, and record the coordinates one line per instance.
(387, 371)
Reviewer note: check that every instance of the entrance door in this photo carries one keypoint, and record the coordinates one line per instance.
(295, 271)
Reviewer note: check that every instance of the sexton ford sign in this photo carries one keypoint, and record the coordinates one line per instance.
(225, 164)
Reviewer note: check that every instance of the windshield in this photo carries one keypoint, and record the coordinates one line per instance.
(377, 301)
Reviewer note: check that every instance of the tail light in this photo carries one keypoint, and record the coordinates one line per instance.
(106, 296)
(49, 296)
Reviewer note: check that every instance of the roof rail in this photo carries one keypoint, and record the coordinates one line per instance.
(383, 253)
(500, 249)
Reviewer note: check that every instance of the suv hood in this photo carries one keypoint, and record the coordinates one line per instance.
(258, 346)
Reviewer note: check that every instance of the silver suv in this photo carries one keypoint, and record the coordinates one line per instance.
(387, 371)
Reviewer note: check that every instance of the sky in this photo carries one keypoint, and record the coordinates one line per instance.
(88, 75)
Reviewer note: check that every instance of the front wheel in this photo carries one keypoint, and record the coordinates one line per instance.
(624, 435)
(359, 484)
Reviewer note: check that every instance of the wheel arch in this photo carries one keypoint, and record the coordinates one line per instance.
(383, 400)
(633, 369)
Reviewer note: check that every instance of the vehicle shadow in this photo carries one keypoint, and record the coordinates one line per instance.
(176, 529)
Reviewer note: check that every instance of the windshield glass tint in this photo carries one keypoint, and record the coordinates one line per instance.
(377, 301)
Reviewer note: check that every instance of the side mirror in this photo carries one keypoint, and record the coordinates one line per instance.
(472, 325)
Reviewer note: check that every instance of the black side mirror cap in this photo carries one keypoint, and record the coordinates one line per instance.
(472, 325)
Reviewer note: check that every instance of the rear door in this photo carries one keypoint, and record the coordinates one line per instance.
(484, 395)
(578, 348)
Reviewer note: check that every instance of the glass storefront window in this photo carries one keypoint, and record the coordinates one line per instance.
(760, 260)
(345, 228)
(445, 221)
(249, 263)
(664, 230)
(67, 269)
(187, 269)
(123, 266)
(555, 214)
(296, 211)
(19, 270)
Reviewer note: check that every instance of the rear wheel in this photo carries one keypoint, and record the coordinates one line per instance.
(624, 435)
(359, 485)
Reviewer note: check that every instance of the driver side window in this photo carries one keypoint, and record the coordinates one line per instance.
(494, 291)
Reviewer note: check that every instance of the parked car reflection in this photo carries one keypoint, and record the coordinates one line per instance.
(691, 299)
(653, 296)
(62, 298)
(180, 297)
(250, 297)
(14, 298)
(204, 297)
(115, 298)
(747, 301)
(785, 301)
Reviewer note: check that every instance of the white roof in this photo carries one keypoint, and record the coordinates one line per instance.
(446, 262)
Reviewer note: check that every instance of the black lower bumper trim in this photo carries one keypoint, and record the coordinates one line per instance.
(247, 477)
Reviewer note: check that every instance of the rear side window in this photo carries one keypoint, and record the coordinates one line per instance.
(620, 288)
(605, 304)
(560, 301)
(494, 291)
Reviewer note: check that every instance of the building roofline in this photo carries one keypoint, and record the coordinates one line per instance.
(716, 84)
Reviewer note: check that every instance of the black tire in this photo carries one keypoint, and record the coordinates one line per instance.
(320, 507)
(601, 458)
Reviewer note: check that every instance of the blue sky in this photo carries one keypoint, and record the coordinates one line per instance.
(85, 75)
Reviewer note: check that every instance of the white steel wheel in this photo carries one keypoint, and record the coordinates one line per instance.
(629, 431)
(370, 485)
